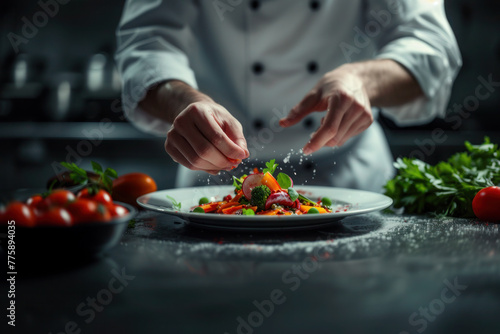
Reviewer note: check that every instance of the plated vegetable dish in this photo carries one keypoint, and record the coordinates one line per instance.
(260, 193)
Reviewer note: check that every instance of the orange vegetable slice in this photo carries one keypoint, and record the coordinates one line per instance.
(232, 210)
(270, 182)
(227, 205)
(305, 208)
(210, 207)
(269, 212)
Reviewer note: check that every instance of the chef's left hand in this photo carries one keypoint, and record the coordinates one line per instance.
(342, 94)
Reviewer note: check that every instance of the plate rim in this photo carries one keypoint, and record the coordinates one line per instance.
(224, 221)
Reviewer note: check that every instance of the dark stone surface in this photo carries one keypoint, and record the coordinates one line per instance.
(369, 274)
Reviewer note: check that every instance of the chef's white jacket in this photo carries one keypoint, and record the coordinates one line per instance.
(259, 58)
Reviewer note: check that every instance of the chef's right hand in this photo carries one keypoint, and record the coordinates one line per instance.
(205, 136)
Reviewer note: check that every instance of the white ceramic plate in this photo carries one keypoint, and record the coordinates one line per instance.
(347, 202)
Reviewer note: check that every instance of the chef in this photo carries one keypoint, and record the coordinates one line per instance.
(300, 81)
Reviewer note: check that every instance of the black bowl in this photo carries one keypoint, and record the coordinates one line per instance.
(60, 243)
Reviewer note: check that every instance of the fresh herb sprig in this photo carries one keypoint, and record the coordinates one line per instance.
(80, 176)
(448, 188)
(237, 182)
(270, 167)
(306, 200)
(77, 174)
(176, 205)
(105, 176)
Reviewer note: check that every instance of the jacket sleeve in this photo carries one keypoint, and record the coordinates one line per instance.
(417, 35)
(153, 38)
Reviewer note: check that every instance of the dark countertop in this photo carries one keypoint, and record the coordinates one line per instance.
(374, 273)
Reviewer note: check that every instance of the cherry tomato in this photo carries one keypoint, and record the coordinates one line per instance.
(127, 187)
(55, 216)
(21, 213)
(117, 211)
(486, 204)
(37, 202)
(59, 197)
(34, 200)
(102, 196)
(84, 210)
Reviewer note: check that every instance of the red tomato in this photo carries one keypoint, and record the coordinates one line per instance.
(21, 213)
(117, 211)
(34, 201)
(102, 196)
(128, 187)
(87, 211)
(55, 216)
(486, 204)
(59, 197)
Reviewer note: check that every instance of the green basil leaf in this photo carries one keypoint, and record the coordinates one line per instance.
(293, 194)
(284, 181)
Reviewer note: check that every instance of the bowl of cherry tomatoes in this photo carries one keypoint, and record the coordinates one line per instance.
(62, 223)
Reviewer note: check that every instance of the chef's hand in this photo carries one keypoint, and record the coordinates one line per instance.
(205, 136)
(343, 95)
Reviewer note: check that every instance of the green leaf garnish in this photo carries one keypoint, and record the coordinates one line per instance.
(284, 181)
(111, 173)
(237, 182)
(105, 178)
(306, 200)
(96, 167)
(77, 174)
(293, 194)
(270, 167)
(176, 205)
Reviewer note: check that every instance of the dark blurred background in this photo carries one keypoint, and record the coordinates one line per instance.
(59, 95)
